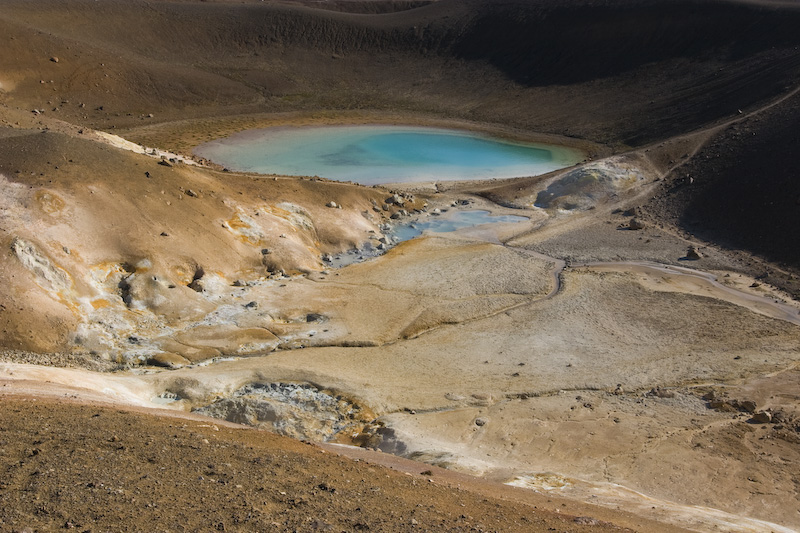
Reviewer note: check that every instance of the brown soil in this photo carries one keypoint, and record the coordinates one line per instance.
(473, 350)
(66, 465)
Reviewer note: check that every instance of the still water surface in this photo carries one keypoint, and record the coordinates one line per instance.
(373, 155)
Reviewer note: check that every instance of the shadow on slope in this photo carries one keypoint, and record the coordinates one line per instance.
(624, 72)
(742, 189)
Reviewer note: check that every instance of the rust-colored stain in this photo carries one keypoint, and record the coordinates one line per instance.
(244, 231)
(100, 303)
(49, 202)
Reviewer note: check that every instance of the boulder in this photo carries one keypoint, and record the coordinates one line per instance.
(748, 406)
(693, 254)
(762, 417)
(635, 224)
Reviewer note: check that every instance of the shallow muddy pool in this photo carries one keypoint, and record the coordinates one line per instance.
(372, 155)
(451, 221)
(444, 222)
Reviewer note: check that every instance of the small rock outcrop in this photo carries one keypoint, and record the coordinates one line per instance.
(693, 254)
(761, 417)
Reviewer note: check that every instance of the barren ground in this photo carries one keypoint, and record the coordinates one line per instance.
(626, 358)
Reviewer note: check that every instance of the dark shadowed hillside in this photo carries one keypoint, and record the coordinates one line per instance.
(743, 188)
(619, 72)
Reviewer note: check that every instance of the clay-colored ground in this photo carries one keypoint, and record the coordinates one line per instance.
(605, 369)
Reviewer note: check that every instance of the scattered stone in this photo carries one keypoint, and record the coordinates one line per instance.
(721, 405)
(748, 406)
(395, 216)
(396, 199)
(239, 283)
(693, 254)
(315, 317)
(781, 417)
(619, 391)
(196, 283)
(331, 204)
(755, 284)
(731, 406)
(635, 224)
(164, 234)
(190, 192)
(658, 392)
(480, 422)
(165, 163)
(762, 417)
(251, 305)
(54, 59)
(588, 521)
(147, 174)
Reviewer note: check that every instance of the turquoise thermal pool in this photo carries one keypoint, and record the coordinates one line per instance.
(373, 155)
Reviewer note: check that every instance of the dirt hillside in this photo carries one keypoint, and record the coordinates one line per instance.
(627, 352)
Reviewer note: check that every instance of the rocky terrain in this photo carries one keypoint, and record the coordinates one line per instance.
(628, 355)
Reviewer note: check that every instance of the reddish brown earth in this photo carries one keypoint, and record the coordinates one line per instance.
(68, 465)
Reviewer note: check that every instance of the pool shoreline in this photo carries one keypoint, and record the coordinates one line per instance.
(379, 154)
(183, 136)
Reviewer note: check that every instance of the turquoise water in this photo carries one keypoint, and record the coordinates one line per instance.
(383, 154)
